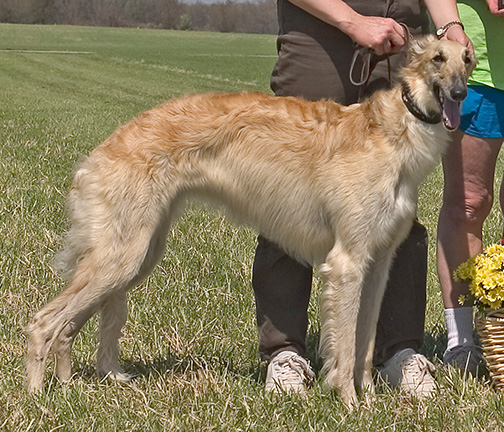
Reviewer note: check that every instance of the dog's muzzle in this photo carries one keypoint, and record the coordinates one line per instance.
(450, 104)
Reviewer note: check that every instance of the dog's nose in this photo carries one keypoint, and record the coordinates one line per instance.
(458, 91)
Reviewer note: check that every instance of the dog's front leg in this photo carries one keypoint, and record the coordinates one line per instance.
(63, 344)
(343, 275)
(374, 286)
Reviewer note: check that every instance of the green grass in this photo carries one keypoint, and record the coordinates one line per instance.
(191, 333)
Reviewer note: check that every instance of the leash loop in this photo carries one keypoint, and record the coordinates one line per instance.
(365, 54)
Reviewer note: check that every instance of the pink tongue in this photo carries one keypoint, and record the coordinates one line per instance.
(451, 114)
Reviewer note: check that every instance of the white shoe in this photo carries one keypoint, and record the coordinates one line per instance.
(411, 372)
(288, 372)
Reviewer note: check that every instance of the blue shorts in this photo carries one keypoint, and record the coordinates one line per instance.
(482, 112)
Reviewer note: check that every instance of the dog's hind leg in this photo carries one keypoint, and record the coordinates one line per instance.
(372, 294)
(343, 274)
(62, 346)
(58, 323)
(112, 267)
(114, 312)
(113, 316)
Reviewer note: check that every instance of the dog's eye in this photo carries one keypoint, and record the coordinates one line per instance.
(439, 58)
(467, 60)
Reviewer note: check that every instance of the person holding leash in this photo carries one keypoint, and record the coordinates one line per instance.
(469, 170)
(345, 51)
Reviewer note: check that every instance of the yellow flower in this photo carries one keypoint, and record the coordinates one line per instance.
(465, 271)
(485, 275)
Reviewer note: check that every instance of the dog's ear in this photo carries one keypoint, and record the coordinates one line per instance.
(471, 61)
(417, 46)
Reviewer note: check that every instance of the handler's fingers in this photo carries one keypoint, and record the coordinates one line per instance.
(396, 39)
(397, 36)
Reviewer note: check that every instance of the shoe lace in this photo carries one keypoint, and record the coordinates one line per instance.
(291, 368)
(418, 367)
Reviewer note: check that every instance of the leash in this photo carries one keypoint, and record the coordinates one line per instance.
(407, 34)
(365, 54)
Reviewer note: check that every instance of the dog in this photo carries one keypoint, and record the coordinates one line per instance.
(331, 184)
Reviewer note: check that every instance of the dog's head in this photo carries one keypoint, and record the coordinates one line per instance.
(437, 73)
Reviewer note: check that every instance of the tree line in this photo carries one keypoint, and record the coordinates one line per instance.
(257, 16)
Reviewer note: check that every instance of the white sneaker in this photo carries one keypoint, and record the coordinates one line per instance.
(411, 372)
(288, 372)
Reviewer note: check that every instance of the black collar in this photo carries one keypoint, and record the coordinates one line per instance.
(413, 108)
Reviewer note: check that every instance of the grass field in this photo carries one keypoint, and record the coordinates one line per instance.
(191, 334)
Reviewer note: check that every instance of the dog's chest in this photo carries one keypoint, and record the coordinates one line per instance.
(405, 201)
(390, 213)
(403, 210)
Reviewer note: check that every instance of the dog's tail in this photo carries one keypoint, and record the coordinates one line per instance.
(103, 206)
(77, 240)
(65, 261)
(112, 203)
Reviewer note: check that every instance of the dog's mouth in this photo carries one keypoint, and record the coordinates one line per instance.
(450, 110)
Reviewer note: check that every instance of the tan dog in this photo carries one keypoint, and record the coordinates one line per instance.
(330, 184)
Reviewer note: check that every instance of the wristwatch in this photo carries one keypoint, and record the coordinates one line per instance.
(441, 31)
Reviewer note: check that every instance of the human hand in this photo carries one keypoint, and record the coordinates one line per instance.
(455, 33)
(493, 5)
(382, 35)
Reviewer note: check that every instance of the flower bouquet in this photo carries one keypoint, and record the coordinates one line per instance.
(485, 275)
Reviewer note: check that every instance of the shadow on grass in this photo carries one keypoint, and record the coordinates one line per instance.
(433, 347)
(180, 364)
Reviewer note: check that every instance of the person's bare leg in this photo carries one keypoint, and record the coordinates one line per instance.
(469, 168)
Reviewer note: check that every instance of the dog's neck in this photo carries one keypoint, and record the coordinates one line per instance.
(430, 117)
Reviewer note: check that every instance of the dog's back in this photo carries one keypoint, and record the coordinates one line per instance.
(255, 153)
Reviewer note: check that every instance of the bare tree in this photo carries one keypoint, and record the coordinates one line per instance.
(255, 16)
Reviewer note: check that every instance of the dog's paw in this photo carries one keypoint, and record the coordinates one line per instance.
(115, 374)
(343, 387)
(121, 377)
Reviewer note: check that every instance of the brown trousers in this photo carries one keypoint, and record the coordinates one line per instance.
(314, 62)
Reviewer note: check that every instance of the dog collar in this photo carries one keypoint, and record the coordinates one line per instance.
(413, 108)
